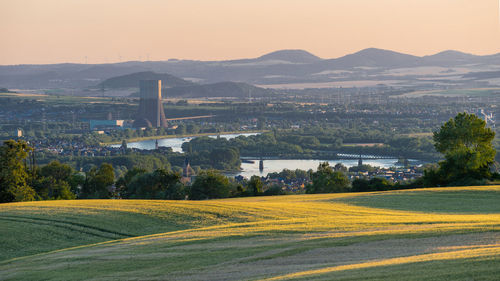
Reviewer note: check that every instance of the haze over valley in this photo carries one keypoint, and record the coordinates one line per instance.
(250, 140)
(286, 69)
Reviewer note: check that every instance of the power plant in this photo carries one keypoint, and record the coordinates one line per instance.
(151, 113)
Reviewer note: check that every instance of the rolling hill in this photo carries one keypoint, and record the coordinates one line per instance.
(279, 67)
(222, 89)
(449, 57)
(293, 56)
(132, 80)
(176, 87)
(373, 57)
(434, 234)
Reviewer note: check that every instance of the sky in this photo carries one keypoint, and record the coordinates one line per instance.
(104, 31)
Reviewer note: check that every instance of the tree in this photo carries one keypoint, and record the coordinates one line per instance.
(55, 181)
(255, 186)
(209, 184)
(362, 168)
(274, 190)
(180, 130)
(124, 181)
(124, 145)
(48, 188)
(373, 184)
(225, 158)
(98, 182)
(467, 146)
(192, 128)
(261, 123)
(58, 171)
(170, 185)
(325, 180)
(76, 182)
(340, 167)
(159, 184)
(14, 174)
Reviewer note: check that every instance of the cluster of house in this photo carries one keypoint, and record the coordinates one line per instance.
(290, 185)
(394, 175)
(72, 148)
(297, 185)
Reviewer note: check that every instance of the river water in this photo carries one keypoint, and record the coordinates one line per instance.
(175, 143)
(270, 166)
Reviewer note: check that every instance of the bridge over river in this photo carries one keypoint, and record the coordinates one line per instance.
(327, 155)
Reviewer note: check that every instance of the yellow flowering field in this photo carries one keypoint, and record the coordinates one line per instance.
(379, 236)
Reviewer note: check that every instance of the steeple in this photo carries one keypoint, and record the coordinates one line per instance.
(187, 171)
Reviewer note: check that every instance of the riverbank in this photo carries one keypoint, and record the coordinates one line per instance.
(183, 136)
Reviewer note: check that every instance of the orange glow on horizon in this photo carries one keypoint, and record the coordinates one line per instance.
(53, 31)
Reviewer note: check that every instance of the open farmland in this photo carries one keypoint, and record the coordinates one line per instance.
(480, 92)
(57, 99)
(443, 234)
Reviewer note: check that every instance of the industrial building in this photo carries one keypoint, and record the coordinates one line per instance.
(151, 113)
(106, 124)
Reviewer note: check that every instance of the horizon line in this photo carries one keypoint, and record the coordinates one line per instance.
(249, 58)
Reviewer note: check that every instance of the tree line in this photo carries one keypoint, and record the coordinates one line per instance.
(465, 142)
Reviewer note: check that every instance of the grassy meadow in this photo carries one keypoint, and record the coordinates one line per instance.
(433, 234)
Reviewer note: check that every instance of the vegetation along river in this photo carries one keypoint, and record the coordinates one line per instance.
(251, 167)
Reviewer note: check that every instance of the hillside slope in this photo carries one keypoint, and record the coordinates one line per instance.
(279, 67)
(222, 89)
(317, 237)
(293, 56)
(132, 80)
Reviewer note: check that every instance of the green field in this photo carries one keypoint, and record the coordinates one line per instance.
(433, 234)
(66, 98)
(58, 99)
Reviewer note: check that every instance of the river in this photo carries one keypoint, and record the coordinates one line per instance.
(277, 165)
(270, 166)
(175, 143)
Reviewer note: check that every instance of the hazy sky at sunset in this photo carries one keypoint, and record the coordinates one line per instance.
(51, 31)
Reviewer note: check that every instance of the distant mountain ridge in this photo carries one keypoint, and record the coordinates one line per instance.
(132, 80)
(279, 67)
(373, 57)
(176, 87)
(221, 89)
(296, 56)
(449, 56)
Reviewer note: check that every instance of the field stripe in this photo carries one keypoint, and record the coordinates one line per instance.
(68, 225)
(481, 251)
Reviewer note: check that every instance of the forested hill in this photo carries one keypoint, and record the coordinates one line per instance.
(132, 80)
(279, 67)
(178, 87)
(222, 89)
